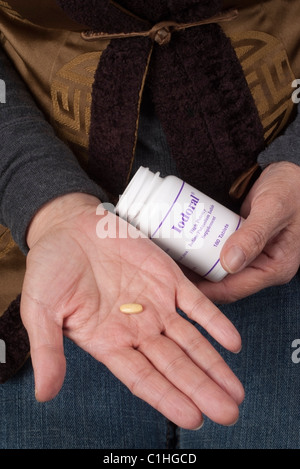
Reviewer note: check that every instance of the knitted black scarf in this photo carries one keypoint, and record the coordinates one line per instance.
(197, 85)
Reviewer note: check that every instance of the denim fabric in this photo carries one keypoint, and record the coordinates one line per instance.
(269, 322)
(94, 410)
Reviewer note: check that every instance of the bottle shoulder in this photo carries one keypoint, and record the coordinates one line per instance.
(168, 187)
(158, 203)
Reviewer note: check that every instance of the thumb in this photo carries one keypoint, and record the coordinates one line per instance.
(46, 348)
(245, 244)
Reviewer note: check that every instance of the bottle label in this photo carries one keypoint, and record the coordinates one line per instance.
(192, 230)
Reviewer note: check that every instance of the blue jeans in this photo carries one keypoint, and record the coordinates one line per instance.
(94, 410)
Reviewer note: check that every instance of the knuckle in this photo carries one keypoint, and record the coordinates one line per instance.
(286, 275)
(176, 364)
(258, 238)
(199, 306)
(284, 264)
(139, 382)
(282, 270)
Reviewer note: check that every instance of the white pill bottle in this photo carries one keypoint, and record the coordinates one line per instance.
(190, 226)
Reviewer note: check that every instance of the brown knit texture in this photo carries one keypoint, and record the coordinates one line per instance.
(197, 86)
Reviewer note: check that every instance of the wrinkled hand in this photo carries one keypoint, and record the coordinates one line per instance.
(265, 251)
(74, 285)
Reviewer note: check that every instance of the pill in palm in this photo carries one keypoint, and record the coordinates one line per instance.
(131, 308)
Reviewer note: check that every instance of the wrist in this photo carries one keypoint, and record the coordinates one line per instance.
(63, 209)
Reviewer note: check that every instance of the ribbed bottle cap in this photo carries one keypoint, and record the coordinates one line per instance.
(135, 195)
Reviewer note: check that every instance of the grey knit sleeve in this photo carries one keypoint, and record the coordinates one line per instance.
(35, 165)
(286, 147)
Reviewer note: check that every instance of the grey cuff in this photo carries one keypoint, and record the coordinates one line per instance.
(286, 147)
(46, 169)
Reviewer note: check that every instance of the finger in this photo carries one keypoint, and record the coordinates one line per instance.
(245, 244)
(144, 381)
(46, 348)
(168, 358)
(235, 287)
(204, 355)
(200, 309)
(263, 272)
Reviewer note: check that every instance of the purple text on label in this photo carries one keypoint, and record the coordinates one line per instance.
(185, 216)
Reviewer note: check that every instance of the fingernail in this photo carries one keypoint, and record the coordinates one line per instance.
(234, 259)
(200, 426)
(234, 423)
(240, 349)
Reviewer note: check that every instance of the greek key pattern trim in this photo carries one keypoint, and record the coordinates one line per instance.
(269, 76)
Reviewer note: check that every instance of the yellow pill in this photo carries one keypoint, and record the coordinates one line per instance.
(131, 308)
